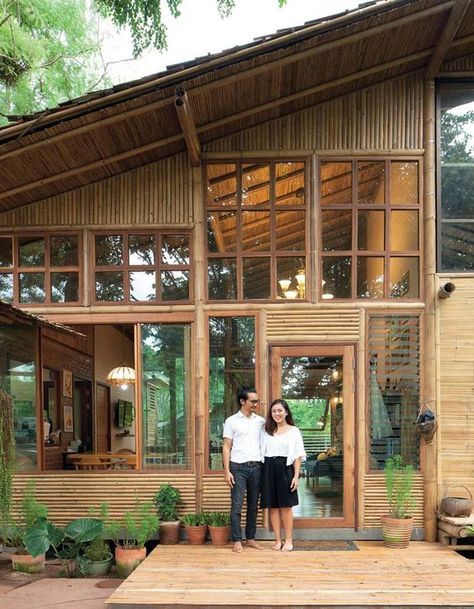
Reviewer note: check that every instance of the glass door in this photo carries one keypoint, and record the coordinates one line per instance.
(318, 384)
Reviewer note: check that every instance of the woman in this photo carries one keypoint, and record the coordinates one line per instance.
(283, 449)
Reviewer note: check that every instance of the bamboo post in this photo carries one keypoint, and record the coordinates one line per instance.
(430, 464)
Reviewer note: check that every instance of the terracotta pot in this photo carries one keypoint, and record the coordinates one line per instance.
(196, 534)
(396, 532)
(169, 532)
(219, 535)
(127, 560)
(27, 563)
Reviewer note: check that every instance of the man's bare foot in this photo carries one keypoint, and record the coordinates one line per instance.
(251, 543)
(277, 545)
(237, 547)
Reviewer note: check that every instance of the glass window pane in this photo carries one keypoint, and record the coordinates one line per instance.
(6, 287)
(404, 277)
(256, 278)
(232, 365)
(457, 246)
(337, 230)
(32, 287)
(289, 187)
(222, 184)
(142, 285)
(31, 251)
(141, 249)
(404, 231)
(64, 287)
(222, 231)
(175, 285)
(175, 249)
(109, 286)
(370, 277)
(336, 282)
(166, 395)
(404, 182)
(6, 252)
(336, 183)
(64, 250)
(222, 279)
(291, 278)
(255, 184)
(370, 230)
(108, 250)
(371, 182)
(290, 231)
(256, 231)
(457, 197)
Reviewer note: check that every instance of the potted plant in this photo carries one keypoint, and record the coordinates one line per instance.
(397, 526)
(219, 527)
(97, 557)
(166, 501)
(195, 526)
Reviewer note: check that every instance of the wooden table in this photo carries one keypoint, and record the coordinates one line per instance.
(98, 461)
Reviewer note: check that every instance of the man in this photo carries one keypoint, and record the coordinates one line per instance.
(242, 458)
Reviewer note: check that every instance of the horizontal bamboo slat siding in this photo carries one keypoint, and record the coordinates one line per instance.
(70, 495)
(456, 407)
(159, 193)
(310, 325)
(386, 116)
(464, 64)
(375, 500)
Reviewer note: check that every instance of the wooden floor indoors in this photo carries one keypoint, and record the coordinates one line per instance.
(423, 575)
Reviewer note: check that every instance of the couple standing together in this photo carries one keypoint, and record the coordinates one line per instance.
(262, 457)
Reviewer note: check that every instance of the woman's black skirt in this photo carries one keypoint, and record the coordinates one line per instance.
(276, 480)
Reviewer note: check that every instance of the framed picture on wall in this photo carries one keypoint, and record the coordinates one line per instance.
(68, 419)
(67, 383)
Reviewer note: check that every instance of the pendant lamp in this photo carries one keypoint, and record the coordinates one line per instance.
(122, 375)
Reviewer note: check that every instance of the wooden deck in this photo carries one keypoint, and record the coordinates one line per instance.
(423, 575)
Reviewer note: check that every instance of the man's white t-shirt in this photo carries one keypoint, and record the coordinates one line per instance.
(246, 435)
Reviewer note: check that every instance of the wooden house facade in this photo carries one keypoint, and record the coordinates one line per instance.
(284, 215)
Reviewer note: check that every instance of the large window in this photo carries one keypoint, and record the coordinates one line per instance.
(393, 388)
(40, 269)
(456, 177)
(256, 230)
(370, 229)
(153, 266)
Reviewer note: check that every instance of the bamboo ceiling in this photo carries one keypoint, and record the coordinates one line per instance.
(112, 131)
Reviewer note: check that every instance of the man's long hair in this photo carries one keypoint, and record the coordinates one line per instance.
(270, 423)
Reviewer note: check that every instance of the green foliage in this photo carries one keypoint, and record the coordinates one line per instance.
(166, 501)
(31, 512)
(217, 519)
(97, 550)
(194, 520)
(7, 461)
(134, 529)
(399, 485)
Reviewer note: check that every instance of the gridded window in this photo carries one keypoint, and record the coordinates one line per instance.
(256, 230)
(152, 266)
(393, 388)
(370, 229)
(40, 269)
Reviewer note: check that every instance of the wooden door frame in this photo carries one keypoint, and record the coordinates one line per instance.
(96, 415)
(347, 351)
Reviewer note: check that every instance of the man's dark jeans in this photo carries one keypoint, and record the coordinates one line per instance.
(247, 480)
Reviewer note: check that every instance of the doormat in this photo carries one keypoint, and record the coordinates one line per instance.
(325, 546)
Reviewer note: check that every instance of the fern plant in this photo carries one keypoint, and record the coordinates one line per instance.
(399, 485)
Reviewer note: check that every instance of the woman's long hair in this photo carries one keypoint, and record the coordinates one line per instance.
(270, 423)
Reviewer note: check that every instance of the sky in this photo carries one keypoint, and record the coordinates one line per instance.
(199, 31)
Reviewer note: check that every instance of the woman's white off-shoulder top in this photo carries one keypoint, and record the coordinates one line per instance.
(289, 445)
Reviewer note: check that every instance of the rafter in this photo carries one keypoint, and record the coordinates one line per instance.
(188, 126)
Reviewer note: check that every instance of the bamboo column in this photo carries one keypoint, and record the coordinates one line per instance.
(430, 472)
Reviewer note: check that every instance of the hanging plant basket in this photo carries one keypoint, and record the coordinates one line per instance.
(426, 423)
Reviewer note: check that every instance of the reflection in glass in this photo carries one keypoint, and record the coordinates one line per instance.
(166, 395)
(6, 287)
(404, 182)
(221, 184)
(337, 230)
(231, 366)
(64, 250)
(222, 231)
(255, 184)
(256, 278)
(6, 252)
(64, 287)
(289, 187)
(404, 230)
(371, 182)
(336, 278)
(31, 251)
(175, 285)
(256, 231)
(142, 285)
(222, 279)
(457, 246)
(109, 286)
(108, 250)
(290, 231)
(175, 249)
(291, 277)
(141, 249)
(370, 277)
(404, 277)
(370, 230)
(456, 186)
(336, 183)
(32, 287)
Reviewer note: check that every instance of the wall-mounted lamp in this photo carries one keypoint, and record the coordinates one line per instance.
(446, 290)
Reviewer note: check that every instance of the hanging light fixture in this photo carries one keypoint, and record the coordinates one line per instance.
(122, 375)
(300, 290)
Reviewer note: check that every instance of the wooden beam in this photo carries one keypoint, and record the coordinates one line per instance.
(188, 126)
(447, 36)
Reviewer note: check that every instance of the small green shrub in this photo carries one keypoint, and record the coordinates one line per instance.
(166, 501)
(194, 520)
(97, 550)
(399, 485)
(218, 519)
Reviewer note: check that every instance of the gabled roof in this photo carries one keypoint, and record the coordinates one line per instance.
(10, 314)
(112, 131)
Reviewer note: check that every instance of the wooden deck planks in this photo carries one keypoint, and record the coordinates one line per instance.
(423, 575)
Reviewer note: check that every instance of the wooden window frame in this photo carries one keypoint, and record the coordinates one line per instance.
(387, 207)
(273, 254)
